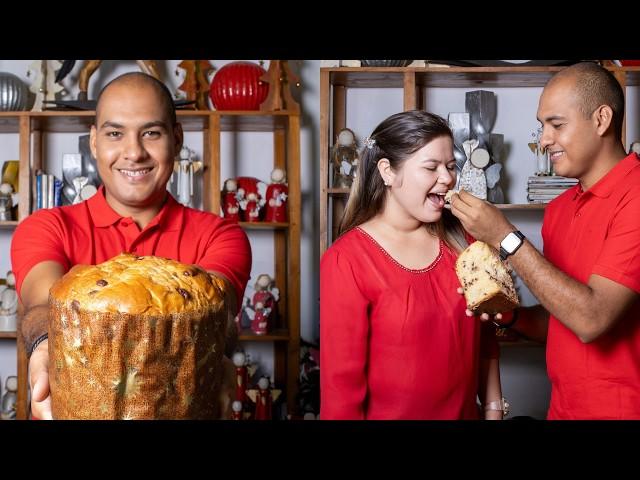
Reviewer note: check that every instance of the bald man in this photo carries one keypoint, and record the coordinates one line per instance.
(135, 141)
(589, 277)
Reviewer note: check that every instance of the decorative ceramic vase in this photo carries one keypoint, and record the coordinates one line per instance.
(14, 94)
(385, 63)
(237, 86)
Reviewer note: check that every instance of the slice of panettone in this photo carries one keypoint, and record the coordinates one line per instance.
(486, 281)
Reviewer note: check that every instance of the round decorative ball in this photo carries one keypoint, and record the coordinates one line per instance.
(237, 86)
(14, 94)
(385, 63)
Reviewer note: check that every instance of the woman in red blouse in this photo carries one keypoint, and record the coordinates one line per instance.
(395, 340)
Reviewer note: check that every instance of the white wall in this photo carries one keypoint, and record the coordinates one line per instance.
(246, 153)
(523, 368)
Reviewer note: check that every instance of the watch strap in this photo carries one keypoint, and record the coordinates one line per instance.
(498, 405)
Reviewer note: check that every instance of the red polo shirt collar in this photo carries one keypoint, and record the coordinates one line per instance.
(102, 215)
(615, 176)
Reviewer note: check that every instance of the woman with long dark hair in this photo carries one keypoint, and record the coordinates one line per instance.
(395, 340)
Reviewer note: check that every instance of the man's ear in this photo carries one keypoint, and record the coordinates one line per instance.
(603, 116)
(179, 137)
(92, 140)
(386, 172)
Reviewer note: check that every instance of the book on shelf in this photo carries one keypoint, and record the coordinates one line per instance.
(547, 191)
(48, 191)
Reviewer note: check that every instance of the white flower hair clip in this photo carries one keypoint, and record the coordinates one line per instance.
(369, 142)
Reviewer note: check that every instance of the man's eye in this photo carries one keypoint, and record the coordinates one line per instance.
(151, 133)
(113, 134)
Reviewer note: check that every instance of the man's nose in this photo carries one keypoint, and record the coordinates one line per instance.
(545, 138)
(134, 149)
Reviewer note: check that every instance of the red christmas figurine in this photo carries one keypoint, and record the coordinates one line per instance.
(242, 376)
(230, 205)
(263, 397)
(251, 193)
(264, 305)
(236, 410)
(276, 198)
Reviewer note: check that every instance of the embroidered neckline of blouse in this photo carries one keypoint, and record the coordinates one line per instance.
(394, 261)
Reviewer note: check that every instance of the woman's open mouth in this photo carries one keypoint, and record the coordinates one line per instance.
(437, 199)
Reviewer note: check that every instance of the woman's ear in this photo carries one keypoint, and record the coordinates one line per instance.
(386, 172)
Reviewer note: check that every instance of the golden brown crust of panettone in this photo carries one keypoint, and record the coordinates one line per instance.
(137, 347)
(486, 281)
(131, 284)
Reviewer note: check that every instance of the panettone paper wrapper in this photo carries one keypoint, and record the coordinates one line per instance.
(122, 366)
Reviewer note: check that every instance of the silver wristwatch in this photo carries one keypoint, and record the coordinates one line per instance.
(510, 244)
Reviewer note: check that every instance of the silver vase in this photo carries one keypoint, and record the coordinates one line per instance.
(385, 63)
(14, 94)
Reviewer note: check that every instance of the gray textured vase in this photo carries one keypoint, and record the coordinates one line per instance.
(385, 63)
(14, 94)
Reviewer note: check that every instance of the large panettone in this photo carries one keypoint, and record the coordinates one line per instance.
(487, 283)
(136, 337)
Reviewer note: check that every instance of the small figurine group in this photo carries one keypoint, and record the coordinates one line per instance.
(185, 169)
(6, 202)
(542, 162)
(262, 395)
(9, 399)
(248, 199)
(8, 304)
(344, 158)
(260, 309)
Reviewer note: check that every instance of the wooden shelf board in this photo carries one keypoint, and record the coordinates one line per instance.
(10, 122)
(462, 77)
(338, 191)
(8, 335)
(501, 206)
(521, 206)
(252, 121)
(8, 225)
(264, 225)
(79, 121)
(276, 335)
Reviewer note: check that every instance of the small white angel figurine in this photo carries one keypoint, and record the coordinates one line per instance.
(186, 168)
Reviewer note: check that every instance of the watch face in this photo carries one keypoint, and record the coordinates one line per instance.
(510, 242)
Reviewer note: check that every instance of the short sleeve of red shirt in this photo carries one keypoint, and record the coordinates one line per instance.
(37, 239)
(229, 253)
(620, 258)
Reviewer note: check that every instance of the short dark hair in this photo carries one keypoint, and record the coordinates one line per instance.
(160, 87)
(597, 86)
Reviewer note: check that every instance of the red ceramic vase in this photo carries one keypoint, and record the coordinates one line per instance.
(237, 86)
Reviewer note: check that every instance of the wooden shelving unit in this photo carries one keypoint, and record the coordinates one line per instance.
(285, 126)
(335, 82)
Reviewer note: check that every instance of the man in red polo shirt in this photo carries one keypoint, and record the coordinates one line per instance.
(135, 140)
(589, 278)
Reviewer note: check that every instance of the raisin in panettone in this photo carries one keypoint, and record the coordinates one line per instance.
(486, 281)
(136, 337)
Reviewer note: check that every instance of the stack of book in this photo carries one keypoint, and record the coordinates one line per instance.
(544, 189)
(48, 191)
